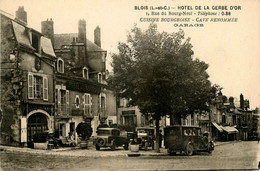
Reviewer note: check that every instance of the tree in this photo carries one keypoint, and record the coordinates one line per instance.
(156, 72)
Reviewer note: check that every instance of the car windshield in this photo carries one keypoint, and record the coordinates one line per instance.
(104, 132)
(149, 131)
(190, 132)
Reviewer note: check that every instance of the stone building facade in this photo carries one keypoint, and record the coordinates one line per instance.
(27, 93)
(82, 93)
(51, 82)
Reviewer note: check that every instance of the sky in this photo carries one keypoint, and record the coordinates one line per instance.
(232, 50)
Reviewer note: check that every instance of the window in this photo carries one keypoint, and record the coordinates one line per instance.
(223, 118)
(62, 130)
(37, 87)
(85, 73)
(63, 101)
(77, 101)
(99, 77)
(60, 66)
(63, 97)
(87, 104)
(35, 42)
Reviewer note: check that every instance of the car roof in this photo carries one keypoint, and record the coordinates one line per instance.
(108, 129)
(184, 126)
(144, 128)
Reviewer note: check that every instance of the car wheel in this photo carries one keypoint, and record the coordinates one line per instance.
(97, 147)
(210, 148)
(189, 149)
(171, 152)
(113, 147)
(100, 142)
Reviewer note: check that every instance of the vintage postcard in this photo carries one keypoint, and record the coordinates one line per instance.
(130, 85)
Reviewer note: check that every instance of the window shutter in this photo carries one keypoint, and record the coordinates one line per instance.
(23, 129)
(59, 96)
(45, 88)
(30, 86)
(90, 105)
(67, 97)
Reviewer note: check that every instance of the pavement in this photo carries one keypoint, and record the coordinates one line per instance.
(92, 152)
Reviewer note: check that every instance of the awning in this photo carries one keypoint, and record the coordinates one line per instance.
(230, 129)
(219, 127)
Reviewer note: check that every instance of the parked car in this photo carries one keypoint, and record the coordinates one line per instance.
(110, 137)
(145, 137)
(186, 138)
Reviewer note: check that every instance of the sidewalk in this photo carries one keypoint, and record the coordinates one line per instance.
(92, 152)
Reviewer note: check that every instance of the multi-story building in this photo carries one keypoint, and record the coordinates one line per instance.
(82, 93)
(27, 92)
(51, 83)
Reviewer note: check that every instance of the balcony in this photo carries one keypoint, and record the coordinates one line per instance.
(63, 110)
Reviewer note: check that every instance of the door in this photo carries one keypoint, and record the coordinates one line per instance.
(36, 123)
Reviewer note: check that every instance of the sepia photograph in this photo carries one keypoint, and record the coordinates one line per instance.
(129, 85)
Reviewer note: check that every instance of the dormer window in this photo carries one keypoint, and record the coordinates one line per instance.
(60, 65)
(85, 73)
(99, 77)
(36, 42)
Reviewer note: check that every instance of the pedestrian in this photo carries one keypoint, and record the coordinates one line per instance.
(160, 138)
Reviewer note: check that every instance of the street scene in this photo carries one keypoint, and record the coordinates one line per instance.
(77, 94)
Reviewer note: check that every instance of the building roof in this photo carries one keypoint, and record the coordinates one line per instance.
(21, 35)
(67, 38)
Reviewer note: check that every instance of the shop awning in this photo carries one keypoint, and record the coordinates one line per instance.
(219, 127)
(230, 129)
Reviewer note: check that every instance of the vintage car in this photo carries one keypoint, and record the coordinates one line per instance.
(188, 139)
(145, 137)
(110, 137)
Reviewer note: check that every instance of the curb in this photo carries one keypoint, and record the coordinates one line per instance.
(228, 142)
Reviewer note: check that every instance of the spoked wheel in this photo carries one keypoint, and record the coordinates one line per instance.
(189, 149)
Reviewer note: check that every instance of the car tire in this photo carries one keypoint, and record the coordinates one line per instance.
(146, 146)
(171, 152)
(210, 148)
(113, 147)
(100, 142)
(126, 146)
(189, 149)
(97, 147)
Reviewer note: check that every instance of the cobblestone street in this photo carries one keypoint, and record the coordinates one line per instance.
(231, 155)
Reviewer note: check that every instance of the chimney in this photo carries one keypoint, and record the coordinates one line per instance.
(82, 31)
(48, 30)
(97, 36)
(231, 101)
(21, 15)
(241, 101)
